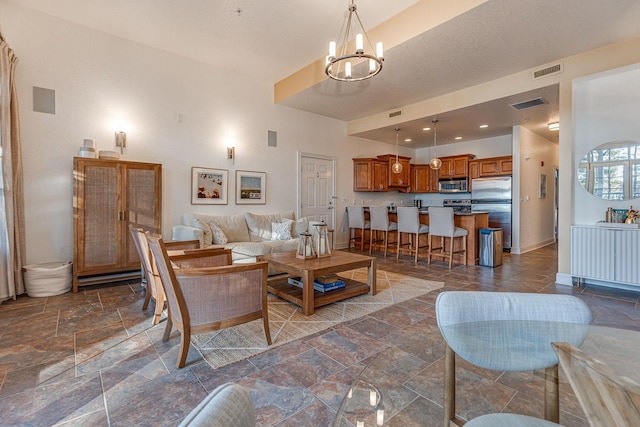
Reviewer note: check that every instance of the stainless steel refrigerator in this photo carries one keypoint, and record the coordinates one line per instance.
(493, 195)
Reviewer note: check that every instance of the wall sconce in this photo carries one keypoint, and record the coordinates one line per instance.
(121, 140)
(231, 154)
(554, 126)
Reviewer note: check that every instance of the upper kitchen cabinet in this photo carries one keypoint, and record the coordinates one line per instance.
(370, 174)
(423, 179)
(495, 166)
(455, 166)
(397, 180)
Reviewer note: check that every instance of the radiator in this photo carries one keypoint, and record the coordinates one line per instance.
(605, 254)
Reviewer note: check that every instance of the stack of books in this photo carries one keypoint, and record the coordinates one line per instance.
(327, 283)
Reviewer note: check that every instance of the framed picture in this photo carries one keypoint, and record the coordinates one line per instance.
(209, 186)
(251, 188)
(542, 191)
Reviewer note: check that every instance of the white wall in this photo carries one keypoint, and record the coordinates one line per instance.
(533, 217)
(482, 148)
(606, 107)
(103, 83)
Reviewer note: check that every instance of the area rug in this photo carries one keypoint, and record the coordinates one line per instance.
(287, 323)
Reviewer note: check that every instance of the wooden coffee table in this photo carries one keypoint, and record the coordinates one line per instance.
(307, 297)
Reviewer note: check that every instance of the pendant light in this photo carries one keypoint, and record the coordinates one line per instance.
(396, 167)
(435, 163)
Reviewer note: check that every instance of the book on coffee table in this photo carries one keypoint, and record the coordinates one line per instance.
(320, 287)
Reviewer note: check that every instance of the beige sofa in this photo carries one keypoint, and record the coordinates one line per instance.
(248, 235)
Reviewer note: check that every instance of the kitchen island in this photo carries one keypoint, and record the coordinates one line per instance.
(472, 222)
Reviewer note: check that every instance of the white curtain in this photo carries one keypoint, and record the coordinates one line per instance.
(12, 249)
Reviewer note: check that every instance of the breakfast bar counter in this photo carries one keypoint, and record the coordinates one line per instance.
(472, 222)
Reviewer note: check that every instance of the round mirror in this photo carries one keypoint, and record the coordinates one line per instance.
(611, 171)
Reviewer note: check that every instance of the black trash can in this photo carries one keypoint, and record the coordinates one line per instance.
(490, 247)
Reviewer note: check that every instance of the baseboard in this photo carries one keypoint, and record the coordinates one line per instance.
(536, 246)
(564, 279)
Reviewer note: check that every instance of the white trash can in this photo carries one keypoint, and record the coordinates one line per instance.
(48, 279)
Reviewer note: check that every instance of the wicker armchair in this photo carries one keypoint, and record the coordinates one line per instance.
(154, 286)
(212, 298)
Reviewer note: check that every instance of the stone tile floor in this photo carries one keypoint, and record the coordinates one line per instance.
(93, 357)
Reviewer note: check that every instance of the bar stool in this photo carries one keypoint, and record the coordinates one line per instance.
(409, 223)
(441, 224)
(355, 216)
(380, 222)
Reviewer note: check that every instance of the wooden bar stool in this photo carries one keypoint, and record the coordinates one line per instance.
(409, 223)
(441, 225)
(355, 216)
(380, 222)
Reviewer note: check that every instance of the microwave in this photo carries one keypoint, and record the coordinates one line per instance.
(453, 186)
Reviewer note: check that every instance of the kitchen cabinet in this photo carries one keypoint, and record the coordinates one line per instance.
(495, 166)
(455, 166)
(423, 179)
(370, 174)
(108, 195)
(402, 179)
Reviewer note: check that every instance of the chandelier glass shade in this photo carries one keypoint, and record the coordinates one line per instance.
(435, 163)
(397, 166)
(356, 66)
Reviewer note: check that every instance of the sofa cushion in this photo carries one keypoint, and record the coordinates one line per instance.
(254, 249)
(233, 226)
(193, 221)
(260, 224)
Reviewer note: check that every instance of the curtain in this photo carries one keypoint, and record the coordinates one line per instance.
(12, 238)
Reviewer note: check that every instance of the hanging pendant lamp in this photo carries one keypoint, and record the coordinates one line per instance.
(397, 166)
(435, 163)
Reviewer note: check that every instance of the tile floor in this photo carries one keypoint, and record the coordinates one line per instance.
(93, 358)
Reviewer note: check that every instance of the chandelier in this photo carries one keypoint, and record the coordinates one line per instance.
(341, 67)
(435, 163)
(397, 166)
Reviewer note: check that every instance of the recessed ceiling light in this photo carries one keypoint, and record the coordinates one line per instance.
(484, 126)
(426, 129)
(458, 137)
(407, 140)
(554, 126)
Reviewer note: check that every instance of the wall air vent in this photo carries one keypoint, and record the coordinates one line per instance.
(528, 104)
(547, 71)
(395, 113)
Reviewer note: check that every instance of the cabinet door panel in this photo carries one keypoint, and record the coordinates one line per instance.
(142, 206)
(98, 220)
(362, 176)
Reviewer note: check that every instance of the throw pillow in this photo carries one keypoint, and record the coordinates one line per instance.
(300, 226)
(206, 229)
(217, 235)
(281, 230)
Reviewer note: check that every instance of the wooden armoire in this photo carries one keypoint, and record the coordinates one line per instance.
(108, 195)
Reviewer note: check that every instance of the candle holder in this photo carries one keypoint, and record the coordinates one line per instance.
(321, 236)
(305, 247)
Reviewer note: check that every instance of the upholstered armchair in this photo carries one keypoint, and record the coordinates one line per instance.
(228, 405)
(210, 298)
(508, 331)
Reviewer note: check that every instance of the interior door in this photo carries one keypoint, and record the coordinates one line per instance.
(317, 184)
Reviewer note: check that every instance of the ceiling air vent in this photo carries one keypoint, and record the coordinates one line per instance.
(395, 113)
(528, 104)
(553, 69)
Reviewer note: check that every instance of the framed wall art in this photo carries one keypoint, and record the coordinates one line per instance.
(251, 188)
(209, 186)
